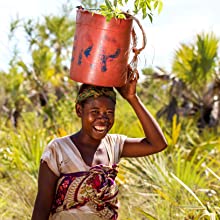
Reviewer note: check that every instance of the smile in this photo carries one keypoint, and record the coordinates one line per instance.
(100, 128)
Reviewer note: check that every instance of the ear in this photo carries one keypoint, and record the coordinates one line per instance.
(78, 108)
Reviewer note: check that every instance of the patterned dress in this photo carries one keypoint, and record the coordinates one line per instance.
(84, 192)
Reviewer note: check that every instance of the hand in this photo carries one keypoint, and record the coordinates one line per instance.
(128, 91)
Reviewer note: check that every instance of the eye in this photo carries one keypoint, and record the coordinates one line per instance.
(95, 111)
(110, 112)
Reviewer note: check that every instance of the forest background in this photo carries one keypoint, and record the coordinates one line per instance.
(37, 104)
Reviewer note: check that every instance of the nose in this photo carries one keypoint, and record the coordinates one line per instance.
(103, 116)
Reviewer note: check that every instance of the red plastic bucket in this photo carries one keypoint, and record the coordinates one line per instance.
(100, 50)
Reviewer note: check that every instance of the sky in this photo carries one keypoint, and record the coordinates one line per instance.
(179, 22)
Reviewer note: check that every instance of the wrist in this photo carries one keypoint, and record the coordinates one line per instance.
(132, 98)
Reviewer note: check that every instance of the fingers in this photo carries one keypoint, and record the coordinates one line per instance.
(132, 74)
(134, 77)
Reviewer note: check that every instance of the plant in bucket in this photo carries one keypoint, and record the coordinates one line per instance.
(102, 43)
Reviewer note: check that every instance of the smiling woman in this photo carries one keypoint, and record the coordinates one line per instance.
(80, 169)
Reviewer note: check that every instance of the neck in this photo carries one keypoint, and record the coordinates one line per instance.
(82, 140)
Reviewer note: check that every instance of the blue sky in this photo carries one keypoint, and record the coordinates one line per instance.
(179, 22)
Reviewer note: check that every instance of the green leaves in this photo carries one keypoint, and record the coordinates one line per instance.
(109, 4)
(147, 7)
(195, 63)
(111, 10)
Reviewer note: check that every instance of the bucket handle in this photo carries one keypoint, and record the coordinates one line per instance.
(132, 69)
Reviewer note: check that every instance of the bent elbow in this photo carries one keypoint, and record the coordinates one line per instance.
(162, 146)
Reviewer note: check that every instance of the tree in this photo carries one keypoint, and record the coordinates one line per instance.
(195, 65)
(38, 83)
(193, 85)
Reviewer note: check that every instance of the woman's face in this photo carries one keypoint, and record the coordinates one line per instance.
(97, 116)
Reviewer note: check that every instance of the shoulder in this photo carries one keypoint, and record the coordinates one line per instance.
(53, 153)
(115, 138)
(59, 141)
(57, 145)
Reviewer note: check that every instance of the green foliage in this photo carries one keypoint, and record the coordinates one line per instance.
(195, 63)
(111, 9)
(178, 180)
(45, 79)
(22, 149)
(146, 7)
(192, 90)
(149, 183)
(124, 111)
(17, 195)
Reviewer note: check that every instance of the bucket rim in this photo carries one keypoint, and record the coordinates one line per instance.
(83, 10)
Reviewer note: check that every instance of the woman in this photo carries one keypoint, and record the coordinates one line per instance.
(77, 172)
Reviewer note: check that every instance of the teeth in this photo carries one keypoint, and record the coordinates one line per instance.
(100, 128)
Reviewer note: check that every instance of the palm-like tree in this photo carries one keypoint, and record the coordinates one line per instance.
(195, 65)
(28, 84)
(194, 87)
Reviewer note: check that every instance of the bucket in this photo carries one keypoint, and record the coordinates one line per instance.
(100, 50)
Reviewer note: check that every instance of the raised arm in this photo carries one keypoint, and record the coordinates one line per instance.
(46, 189)
(154, 140)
